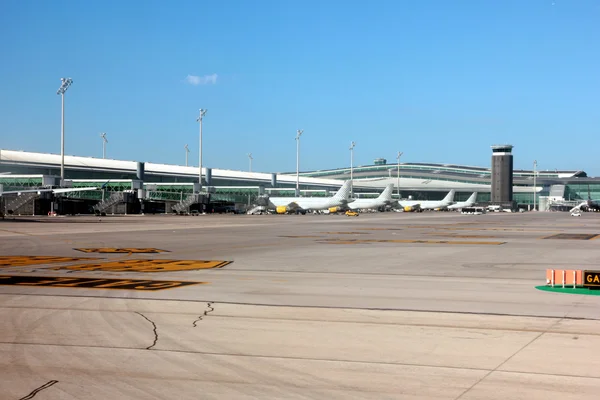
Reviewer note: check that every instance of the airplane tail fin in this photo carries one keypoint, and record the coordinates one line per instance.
(449, 197)
(473, 198)
(343, 192)
(387, 193)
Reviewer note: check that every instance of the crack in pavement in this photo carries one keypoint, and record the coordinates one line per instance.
(210, 309)
(34, 392)
(153, 328)
(557, 322)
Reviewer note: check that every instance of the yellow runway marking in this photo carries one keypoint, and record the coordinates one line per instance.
(147, 266)
(361, 241)
(121, 250)
(21, 261)
(92, 283)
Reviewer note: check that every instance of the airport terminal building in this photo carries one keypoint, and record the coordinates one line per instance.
(162, 186)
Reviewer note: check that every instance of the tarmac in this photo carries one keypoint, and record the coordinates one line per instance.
(381, 306)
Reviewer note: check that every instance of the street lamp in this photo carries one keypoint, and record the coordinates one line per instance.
(187, 150)
(250, 159)
(352, 144)
(65, 83)
(104, 141)
(534, 182)
(298, 134)
(202, 114)
(398, 158)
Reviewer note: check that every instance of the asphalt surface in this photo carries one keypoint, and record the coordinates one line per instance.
(391, 305)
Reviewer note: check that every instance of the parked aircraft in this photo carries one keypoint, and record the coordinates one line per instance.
(419, 205)
(461, 204)
(283, 205)
(55, 191)
(587, 205)
(383, 200)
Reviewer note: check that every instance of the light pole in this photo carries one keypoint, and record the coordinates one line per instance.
(534, 182)
(298, 134)
(65, 83)
(352, 144)
(250, 159)
(187, 150)
(104, 141)
(398, 158)
(202, 114)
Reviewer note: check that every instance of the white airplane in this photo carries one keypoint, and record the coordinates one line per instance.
(285, 204)
(419, 205)
(55, 191)
(383, 200)
(461, 204)
(587, 205)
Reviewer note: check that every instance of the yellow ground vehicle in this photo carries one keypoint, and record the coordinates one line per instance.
(351, 213)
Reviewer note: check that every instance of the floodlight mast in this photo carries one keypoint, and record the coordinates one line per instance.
(298, 134)
(398, 185)
(352, 145)
(65, 83)
(187, 150)
(534, 183)
(199, 119)
(104, 141)
(250, 160)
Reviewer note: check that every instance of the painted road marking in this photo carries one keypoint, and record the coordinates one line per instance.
(147, 266)
(572, 236)
(21, 261)
(462, 236)
(300, 236)
(379, 229)
(92, 283)
(346, 233)
(360, 241)
(120, 250)
(483, 229)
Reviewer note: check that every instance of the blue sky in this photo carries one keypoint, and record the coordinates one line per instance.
(439, 80)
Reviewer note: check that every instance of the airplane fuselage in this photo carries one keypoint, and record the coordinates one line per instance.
(306, 203)
(367, 203)
(425, 205)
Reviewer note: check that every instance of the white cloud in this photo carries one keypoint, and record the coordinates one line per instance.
(201, 80)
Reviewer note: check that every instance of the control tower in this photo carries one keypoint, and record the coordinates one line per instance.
(502, 174)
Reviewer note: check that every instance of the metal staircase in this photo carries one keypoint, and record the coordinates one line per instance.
(186, 203)
(257, 210)
(115, 198)
(21, 201)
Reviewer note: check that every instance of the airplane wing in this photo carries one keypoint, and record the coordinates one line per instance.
(83, 189)
(56, 191)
